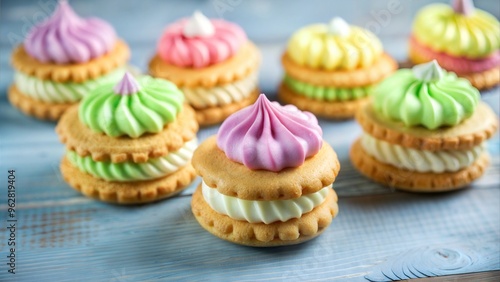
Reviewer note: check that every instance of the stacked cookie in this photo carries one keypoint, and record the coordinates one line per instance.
(330, 69)
(461, 38)
(425, 131)
(266, 177)
(129, 143)
(212, 62)
(61, 60)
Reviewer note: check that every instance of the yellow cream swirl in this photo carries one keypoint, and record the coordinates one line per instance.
(320, 46)
(473, 36)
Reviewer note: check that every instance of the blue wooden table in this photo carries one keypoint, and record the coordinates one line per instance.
(379, 234)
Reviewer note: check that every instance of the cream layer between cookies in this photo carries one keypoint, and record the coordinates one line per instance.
(420, 160)
(262, 211)
(201, 97)
(61, 92)
(130, 171)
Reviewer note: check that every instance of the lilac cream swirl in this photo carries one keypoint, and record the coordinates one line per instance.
(269, 136)
(66, 38)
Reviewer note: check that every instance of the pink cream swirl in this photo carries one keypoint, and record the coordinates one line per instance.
(269, 136)
(66, 38)
(199, 51)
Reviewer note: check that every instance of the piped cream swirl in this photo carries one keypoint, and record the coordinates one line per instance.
(317, 47)
(269, 136)
(473, 36)
(155, 104)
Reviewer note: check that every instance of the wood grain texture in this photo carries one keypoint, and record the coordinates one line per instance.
(378, 234)
(490, 276)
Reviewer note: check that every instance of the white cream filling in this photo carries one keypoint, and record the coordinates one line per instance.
(201, 97)
(130, 171)
(61, 92)
(420, 160)
(262, 211)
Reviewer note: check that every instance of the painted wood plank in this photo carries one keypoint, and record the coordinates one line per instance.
(490, 276)
(163, 241)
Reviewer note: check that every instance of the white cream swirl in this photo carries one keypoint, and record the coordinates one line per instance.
(56, 92)
(198, 26)
(130, 171)
(200, 97)
(262, 211)
(420, 160)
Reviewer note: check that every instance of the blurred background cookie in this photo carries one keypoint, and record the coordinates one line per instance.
(424, 131)
(213, 63)
(61, 60)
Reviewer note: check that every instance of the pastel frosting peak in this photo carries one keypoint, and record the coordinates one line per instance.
(338, 26)
(425, 96)
(334, 46)
(146, 106)
(198, 25)
(66, 38)
(127, 86)
(428, 72)
(464, 7)
(269, 136)
(460, 31)
(199, 42)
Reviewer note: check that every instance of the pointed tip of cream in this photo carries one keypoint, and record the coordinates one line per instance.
(127, 85)
(198, 25)
(464, 7)
(338, 26)
(430, 71)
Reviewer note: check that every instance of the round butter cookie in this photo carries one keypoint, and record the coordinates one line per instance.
(54, 72)
(330, 69)
(212, 62)
(129, 143)
(266, 177)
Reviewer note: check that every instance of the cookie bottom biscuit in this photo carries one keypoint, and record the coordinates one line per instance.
(293, 231)
(137, 192)
(36, 108)
(415, 181)
(214, 115)
(481, 80)
(326, 109)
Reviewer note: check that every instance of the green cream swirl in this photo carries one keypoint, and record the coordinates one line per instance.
(432, 104)
(326, 93)
(147, 111)
(57, 92)
(130, 171)
(474, 36)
